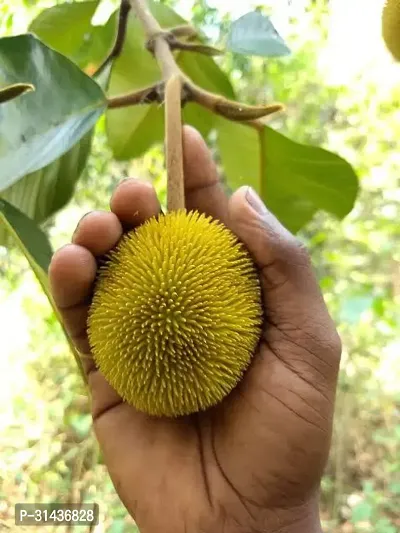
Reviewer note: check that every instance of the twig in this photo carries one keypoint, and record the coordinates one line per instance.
(173, 148)
(176, 44)
(148, 95)
(116, 50)
(228, 108)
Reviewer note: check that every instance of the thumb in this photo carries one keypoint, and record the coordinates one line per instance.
(291, 295)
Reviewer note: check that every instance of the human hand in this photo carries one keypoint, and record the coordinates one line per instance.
(254, 462)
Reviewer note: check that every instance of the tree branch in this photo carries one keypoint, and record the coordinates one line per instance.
(161, 42)
(147, 95)
(124, 9)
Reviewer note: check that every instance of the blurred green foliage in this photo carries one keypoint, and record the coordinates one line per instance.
(49, 452)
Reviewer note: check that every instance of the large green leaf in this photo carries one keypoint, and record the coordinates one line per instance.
(131, 131)
(34, 244)
(45, 124)
(66, 28)
(310, 172)
(297, 180)
(83, 43)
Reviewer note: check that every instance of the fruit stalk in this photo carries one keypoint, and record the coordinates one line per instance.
(173, 144)
(156, 39)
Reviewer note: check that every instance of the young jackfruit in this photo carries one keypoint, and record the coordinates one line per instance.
(391, 27)
(176, 314)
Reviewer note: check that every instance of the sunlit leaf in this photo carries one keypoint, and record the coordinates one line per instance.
(254, 34)
(67, 28)
(317, 175)
(297, 180)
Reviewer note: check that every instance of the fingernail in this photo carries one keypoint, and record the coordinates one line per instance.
(255, 201)
(79, 223)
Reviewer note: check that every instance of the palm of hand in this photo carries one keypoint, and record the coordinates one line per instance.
(263, 448)
(254, 461)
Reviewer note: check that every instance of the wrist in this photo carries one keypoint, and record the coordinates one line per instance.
(305, 524)
(301, 519)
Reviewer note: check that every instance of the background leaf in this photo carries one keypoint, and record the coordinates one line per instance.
(51, 24)
(131, 131)
(44, 124)
(41, 194)
(362, 512)
(254, 34)
(85, 44)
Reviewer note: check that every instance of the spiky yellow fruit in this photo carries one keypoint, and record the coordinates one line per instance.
(176, 314)
(391, 26)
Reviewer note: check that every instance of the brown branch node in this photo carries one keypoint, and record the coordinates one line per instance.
(176, 44)
(184, 31)
(147, 95)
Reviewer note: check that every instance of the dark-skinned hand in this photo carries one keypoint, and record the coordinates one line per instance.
(254, 462)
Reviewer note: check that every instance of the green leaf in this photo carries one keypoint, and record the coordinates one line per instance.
(239, 147)
(132, 130)
(297, 180)
(90, 45)
(204, 71)
(13, 91)
(67, 28)
(42, 193)
(45, 124)
(254, 34)
(310, 172)
(31, 239)
(34, 244)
